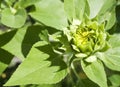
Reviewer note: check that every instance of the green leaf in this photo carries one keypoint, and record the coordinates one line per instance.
(114, 40)
(69, 9)
(13, 40)
(50, 15)
(110, 20)
(13, 18)
(107, 13)
(9, 2)
(111, 58)
(26, 3)
(108, 6)
(44, 35)
(6, 37)
(95, 6)
(80, 8)
(5, 59)
(42, 66)
(102, 9)
(118, 2)
(115, 80)
(87, 10)
(20, 41)
(95, 71)
(74, 9)
(64, 40)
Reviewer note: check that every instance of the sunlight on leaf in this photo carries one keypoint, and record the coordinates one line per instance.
(95, 71)
(50, 15)
(14, 20)
(41, 66)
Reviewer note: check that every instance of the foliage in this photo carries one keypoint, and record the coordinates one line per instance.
(71, 41)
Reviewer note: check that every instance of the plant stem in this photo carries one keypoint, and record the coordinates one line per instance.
(71, 78)
(76, 74)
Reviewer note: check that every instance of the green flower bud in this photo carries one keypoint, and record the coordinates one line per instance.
(89, 38)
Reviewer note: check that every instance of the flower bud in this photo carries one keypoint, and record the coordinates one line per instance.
(89, 38)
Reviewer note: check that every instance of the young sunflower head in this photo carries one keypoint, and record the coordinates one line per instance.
(89, 38)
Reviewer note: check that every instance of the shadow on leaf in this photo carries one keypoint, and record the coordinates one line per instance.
(55, 59)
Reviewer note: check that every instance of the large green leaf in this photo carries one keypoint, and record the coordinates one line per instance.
(13, 18)
(12, 41)
(74, 9)
(95, 7)
(20, 41)
(80, 8)
(107, 13)
(50, 13)
(5, 59)
(69, 9)
(101, 8)
(95, 71)
(42, 66)
(107, 7)
(111, 58)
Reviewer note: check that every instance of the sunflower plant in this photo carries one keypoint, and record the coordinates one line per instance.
(75, 42)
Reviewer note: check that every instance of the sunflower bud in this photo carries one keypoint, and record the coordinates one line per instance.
(89, 38)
